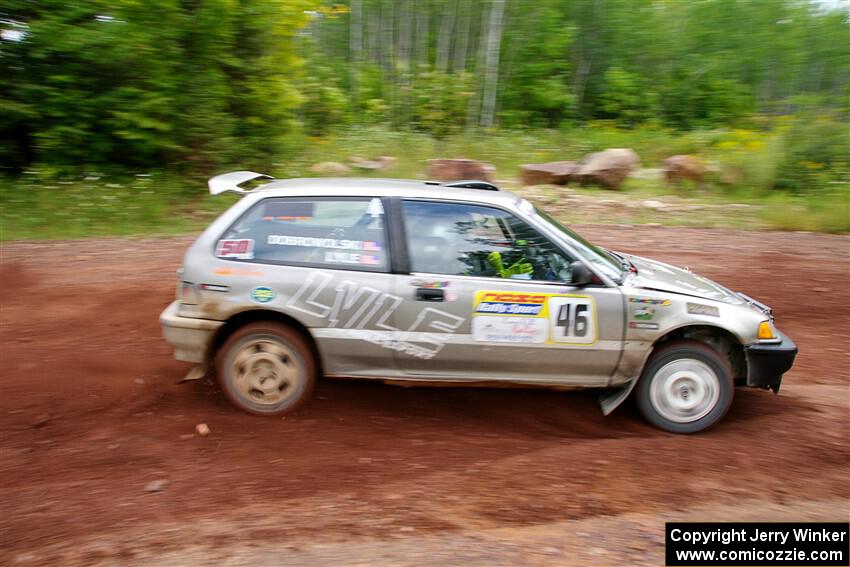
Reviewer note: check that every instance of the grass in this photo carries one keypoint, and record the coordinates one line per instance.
(826, 213)
(34, 206)
(31, 208)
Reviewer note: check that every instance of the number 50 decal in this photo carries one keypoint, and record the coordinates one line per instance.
(572, 320)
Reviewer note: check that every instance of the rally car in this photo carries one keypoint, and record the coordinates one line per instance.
(454, 282)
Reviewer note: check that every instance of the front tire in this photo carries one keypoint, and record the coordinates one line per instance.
(686, 387)
(266, 368)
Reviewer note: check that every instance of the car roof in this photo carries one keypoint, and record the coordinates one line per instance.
(372, 187)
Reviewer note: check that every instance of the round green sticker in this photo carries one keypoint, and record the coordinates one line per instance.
(262, 294)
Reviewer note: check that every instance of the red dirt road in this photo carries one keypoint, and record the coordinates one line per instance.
(368, 473)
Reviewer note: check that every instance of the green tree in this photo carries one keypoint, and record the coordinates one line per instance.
(537, 89)
(140, 84)
(625, 99)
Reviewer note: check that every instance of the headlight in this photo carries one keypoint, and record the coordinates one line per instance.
(766, 333)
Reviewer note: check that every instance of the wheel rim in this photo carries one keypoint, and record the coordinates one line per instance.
(266, 372)
(685, 390)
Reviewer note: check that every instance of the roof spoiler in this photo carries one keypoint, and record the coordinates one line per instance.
(230, 182)
(466, 184)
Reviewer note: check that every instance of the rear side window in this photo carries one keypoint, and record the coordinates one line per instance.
(332, 232)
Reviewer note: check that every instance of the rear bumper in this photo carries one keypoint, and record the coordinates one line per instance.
(190, 338)
(766, 363)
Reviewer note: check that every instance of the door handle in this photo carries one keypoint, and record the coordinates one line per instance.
(429, 294)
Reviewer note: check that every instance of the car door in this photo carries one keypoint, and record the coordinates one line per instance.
(488, 298)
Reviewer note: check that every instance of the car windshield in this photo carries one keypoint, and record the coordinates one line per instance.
(597, 256)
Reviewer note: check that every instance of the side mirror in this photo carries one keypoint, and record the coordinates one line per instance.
(581, 274)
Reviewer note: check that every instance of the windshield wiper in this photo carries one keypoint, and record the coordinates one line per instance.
(625, 263)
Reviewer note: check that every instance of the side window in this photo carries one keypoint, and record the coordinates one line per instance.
(474, 240)
(332, 232)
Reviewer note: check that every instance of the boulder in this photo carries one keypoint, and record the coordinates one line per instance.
(457, 169)
(552, 173)
(330, 168)
(380, 162)
(607, 168)
(683, 167)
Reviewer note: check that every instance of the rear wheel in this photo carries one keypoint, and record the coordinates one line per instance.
(266, 368)
(686, 387)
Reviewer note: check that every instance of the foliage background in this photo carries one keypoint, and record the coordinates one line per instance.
(96, 93)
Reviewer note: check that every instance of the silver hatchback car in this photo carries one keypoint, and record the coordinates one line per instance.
(453, 283)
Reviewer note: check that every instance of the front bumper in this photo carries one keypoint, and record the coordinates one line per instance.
(190, 338)
(766, 363)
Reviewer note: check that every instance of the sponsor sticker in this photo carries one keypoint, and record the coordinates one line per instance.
(643, 325)
(429, 284)
(649, 301)
(240, 249)
(700, 309)
(505, 303)
(335, 257)
(490, 328)
(262, 294)
(540, 318)
(237, 272)
(644, 313)
(329, 243)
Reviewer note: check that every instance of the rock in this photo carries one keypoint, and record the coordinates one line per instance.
(683, 167)
(607, 168)
(156, 485)
(187, 436)
(654, 205)
(458, 169)
(380, 162)
(552, 173)
(330, 168)
(202, 429)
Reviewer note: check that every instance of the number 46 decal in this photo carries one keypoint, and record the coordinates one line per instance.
(572, 320)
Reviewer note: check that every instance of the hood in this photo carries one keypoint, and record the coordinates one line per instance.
(664, 277)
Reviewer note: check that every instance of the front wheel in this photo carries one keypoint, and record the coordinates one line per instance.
(266, 368)
(686, 387)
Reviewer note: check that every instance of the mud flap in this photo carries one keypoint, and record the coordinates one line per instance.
(610, 399)
(196, 373)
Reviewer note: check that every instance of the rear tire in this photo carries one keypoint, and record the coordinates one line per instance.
(686, 387)
(266, 368)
